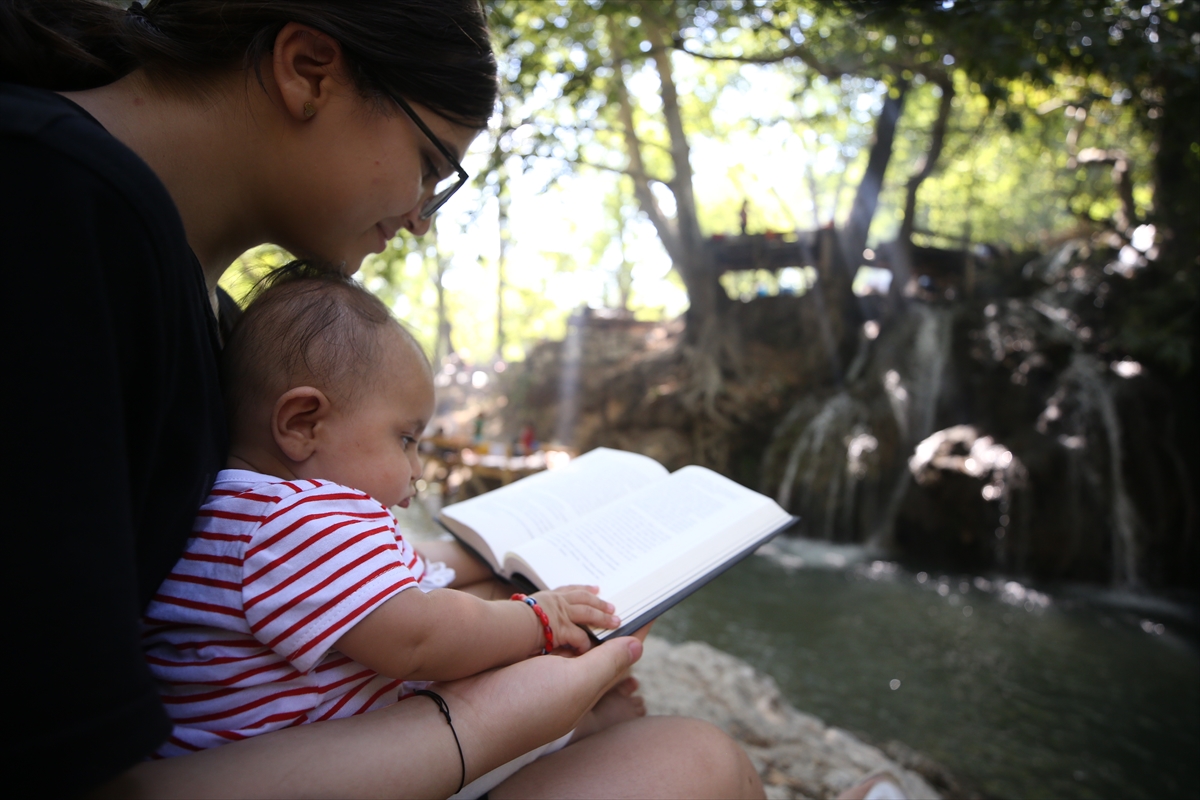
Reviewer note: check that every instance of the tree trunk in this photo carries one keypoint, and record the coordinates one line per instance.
(1177, 173)
(636, 169)
(686, 220)
(502, 200)
(866, 199)
(624, 276)
(442, 347)
(899, 255)
(681, 236)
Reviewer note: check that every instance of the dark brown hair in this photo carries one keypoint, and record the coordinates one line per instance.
(307, 325)
(434, 52)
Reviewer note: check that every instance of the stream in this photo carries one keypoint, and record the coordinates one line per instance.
(1062, 692)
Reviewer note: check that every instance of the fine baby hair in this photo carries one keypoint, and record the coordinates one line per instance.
(307, 324)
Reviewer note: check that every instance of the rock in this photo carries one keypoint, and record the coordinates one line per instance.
(933, 772)
(796, 754)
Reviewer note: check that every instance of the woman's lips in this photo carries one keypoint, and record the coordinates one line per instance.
(386, 234)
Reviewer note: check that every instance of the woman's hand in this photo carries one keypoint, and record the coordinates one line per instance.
(468, 568)
(569, 607)
(514, 709)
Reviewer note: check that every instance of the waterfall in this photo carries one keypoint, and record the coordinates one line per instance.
(1095, 396)
(931, 351)
(824, 326)
(914, 403)
(827, 464)
(810, 441)
(568, 390)
(830, 452)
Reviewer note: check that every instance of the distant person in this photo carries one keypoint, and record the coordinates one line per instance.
(478, 427)
(528, 443)
(296, 590)
(744, 215)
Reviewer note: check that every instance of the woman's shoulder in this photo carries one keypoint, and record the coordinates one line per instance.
(48, 138)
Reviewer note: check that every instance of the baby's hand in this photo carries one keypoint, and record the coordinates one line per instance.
(568, 607)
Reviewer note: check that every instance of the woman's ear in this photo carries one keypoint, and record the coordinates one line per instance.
(306, 63)
(294, 421)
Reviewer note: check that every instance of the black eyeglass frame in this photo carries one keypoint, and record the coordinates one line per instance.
(438, 200)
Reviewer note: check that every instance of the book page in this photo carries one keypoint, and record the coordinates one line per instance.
(648, 591)
(622, 544)
(535, 506)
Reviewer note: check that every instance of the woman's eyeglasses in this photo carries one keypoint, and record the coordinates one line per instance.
(446, 187)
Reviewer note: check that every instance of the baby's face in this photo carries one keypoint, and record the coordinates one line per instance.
(371, 444)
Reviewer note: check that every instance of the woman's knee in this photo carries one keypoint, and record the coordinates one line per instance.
(714, 758)
(650, 757)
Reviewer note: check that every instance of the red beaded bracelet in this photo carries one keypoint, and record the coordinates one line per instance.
(547, 631)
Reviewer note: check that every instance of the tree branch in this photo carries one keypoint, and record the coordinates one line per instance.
(618, 170)
(937, 138)
(1127, 217)
(801, 53)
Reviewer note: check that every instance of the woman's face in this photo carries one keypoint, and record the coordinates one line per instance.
(354, 174)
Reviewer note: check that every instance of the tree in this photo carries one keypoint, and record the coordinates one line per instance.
(597, 47)
(1146, 56)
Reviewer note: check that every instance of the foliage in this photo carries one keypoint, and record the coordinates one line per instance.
(1038, 86)
(689, 108)
(245, 273)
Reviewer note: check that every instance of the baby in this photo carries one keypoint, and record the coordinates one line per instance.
(297, 599)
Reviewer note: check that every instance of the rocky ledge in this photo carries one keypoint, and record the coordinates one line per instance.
(797, 755)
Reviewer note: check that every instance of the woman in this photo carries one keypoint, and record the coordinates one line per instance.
(140, 153)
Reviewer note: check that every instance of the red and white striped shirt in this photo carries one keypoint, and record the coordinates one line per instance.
(240, 634)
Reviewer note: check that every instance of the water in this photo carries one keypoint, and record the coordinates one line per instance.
(1072, 693)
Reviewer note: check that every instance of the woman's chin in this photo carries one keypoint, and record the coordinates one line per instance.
(350, 260)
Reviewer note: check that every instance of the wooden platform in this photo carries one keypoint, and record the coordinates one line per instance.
(770, 251)
(465, 468)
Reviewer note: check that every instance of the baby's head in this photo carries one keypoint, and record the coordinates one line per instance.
(322, 382)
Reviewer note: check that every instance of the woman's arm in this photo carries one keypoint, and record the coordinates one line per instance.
(405, 750)
(468, 568)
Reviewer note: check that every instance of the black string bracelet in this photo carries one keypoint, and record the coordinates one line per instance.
(445, 709)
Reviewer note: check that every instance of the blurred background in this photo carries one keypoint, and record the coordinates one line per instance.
(924, 272)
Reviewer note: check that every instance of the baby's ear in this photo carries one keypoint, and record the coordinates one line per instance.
(294, 421)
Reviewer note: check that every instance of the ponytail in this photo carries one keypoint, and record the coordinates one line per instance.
(63, 46)
(434, 52)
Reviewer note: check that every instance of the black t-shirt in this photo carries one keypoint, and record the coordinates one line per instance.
(115, 431)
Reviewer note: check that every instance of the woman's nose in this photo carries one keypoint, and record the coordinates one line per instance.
(413, 223)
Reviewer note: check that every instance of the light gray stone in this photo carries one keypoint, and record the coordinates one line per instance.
(797, 755)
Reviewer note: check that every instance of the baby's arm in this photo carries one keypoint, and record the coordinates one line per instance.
(446, 634)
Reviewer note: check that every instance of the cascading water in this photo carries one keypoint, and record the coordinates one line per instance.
(568, 392)
(914, 403)
(823, 432)
(842, 461)
(1087, 389)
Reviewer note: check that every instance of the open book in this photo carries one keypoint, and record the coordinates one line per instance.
(648, 538)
